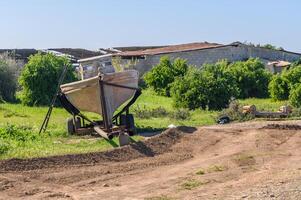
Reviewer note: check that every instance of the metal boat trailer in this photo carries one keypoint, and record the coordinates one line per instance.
(122, 125)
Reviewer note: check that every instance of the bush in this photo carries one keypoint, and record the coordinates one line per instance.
(17, 133)
(162, 75)
(39, 78)
(293, 75)
(4, 147)
(8, 78)
(145, 113)
(235, 112)
(181, 114)
(210, 87)
(252, 78)
(295, 96)
(281, 85)
(279, 88)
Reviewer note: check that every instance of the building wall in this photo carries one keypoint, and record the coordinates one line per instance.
(91, 68)
(231, 53)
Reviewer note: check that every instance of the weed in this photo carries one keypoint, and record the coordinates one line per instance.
(8, 114)
(234, 112)
(17, 133)
(145, 113)
(296, 112)
(4, 147)
(181, 114)
(191, 184)
(163, 197)
(200, 172)
(244, 159)
(216, 168)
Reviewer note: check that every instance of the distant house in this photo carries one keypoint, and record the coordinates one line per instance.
(196, 54)
(278, 66)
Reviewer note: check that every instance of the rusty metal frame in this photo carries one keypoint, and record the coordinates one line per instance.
(103, 106)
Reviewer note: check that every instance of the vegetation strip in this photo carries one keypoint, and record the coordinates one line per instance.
(156, 145)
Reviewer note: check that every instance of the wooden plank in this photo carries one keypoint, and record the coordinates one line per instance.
(102, 133)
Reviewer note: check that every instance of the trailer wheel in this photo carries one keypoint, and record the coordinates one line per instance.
(128, 121)
(70, 126)
(77, 123)
(124, 139)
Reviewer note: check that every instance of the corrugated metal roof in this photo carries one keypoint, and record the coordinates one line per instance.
(171, 49)
(94, 58)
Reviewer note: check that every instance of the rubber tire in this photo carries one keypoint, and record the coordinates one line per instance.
(70, 126)
(77, 123)
(128, 121)
(124, 139)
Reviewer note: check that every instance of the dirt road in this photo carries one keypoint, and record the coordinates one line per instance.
(254, 160)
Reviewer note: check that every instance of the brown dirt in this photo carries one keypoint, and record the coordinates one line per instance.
(238, 161)
(283, 126)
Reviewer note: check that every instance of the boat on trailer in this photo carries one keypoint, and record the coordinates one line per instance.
(103, 94)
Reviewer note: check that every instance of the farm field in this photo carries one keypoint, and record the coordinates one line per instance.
(19, 120)
(250, 160)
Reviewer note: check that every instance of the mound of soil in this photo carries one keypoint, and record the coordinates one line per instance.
(154, 146)
(282, 126)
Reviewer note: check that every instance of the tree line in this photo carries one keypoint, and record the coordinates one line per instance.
(210, 86)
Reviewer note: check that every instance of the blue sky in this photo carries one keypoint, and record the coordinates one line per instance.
(104, 23)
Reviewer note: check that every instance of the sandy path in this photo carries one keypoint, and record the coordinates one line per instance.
(239, 161)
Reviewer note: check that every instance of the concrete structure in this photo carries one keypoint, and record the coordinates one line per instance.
(201, 53)
(196, 54)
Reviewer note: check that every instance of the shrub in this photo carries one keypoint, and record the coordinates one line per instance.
(181, 114)
(295, 96)
(4, 147)
(8, 78)
(296, 112)
(162, 75)
(279, 88)
(210, 87)
(17, 133)
(145, 113)
(252, 78)
(235, 112)
(293, 75)
(281, 85)
(39, 78)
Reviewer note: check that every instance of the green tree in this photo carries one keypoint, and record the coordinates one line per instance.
(163, 75)
(293, 75)
(252, 78)
(279, 88)
(39, 78)
(210, 87)
(8, 78)
(295, 96)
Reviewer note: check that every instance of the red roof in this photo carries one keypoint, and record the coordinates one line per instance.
(171, 49)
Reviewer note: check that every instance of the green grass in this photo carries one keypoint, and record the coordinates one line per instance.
(150, 100)
(200, 172)
(264, 104)
(158, 198)
(191, 184)
(56, 141)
